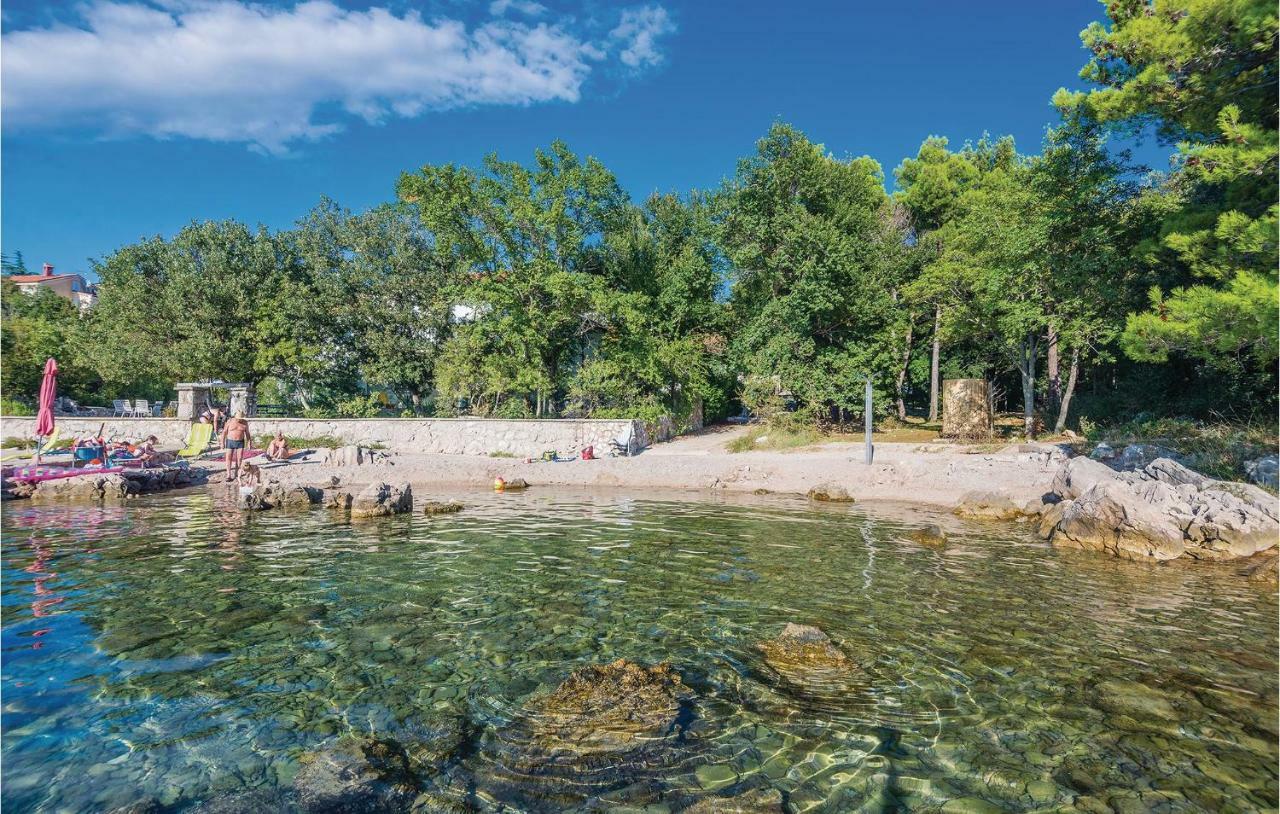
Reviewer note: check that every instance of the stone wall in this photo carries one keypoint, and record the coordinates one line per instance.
(457, 436)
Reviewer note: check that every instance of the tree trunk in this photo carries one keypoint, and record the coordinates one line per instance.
(934, 383)
(1027, 367)
(1051, 370)
(1061, 423)
(902, 372)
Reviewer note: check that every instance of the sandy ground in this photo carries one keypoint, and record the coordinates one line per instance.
(932, 474)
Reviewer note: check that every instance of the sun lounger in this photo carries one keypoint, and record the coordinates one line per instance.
(197, 440)
(43, 449)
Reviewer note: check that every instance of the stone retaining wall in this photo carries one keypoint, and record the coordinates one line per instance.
(456, 436)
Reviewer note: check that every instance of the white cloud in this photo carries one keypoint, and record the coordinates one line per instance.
(499, 8)
(226, 70)
(638, 34)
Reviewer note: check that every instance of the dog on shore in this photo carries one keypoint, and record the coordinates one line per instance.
(250, 474)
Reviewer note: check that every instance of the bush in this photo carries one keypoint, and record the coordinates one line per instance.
(513, 408)
(297, 442)
(369, 406)
(13, 407)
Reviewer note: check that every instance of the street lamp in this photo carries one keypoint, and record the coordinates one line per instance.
(866, 414)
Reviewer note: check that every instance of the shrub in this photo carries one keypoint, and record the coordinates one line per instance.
(369, 406)
(13, 407)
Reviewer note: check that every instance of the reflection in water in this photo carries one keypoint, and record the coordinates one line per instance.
(181, 649)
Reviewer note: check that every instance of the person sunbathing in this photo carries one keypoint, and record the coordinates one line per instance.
(278, 449)
(145, 451)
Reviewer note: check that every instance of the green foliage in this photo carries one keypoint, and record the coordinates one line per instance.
(33, 328)
(297, 442)
(367, 406)
(767, 438)
(14, 264)
(12, 407)
(810, 239)
(1204, 73)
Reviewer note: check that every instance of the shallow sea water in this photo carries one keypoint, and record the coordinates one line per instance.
(178, 650)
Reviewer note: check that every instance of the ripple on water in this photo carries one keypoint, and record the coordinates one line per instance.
(181, 649)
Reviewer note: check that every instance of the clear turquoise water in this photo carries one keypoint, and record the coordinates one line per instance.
(179, 649)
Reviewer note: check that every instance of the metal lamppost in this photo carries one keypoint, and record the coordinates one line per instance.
(866, 413)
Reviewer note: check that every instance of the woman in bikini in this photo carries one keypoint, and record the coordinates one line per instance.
(235, 437)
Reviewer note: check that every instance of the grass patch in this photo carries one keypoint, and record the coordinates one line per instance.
(497, 453)
(767, 438)
(14, 442)
(316, 442)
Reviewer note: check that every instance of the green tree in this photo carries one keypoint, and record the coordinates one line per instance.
(1092, 223)
(186, 308)
(531, 242)
(33, 328)
(13, 264)
(811, 290)
(380, 298)
(1203, 73)
(929, 187)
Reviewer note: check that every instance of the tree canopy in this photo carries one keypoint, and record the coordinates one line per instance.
(1074, 280)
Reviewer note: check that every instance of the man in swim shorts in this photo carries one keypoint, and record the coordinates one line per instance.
(235, 437)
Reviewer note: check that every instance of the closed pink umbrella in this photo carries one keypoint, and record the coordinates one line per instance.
(48, 391)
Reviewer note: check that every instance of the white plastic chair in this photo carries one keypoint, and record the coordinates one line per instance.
(120, 407)
(141, 408)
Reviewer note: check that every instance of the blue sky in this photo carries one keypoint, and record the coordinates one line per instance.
(128, 119)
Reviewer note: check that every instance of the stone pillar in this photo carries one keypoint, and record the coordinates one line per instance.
(193, 397)
(966, 408)
(242, 397)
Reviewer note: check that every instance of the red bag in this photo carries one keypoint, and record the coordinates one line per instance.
(589, 454)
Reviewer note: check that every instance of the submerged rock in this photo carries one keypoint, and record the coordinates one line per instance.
(759, 801)
(1263, 569)
(608, 729)
(984, 505)
(931, 535)
(1161, 512)
(609, 708)
(382, 499)
(809, 664)
(356, 775)
(432, 743)
(830, 493)
(1136, 700)
(437, 507)
(252, 801)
